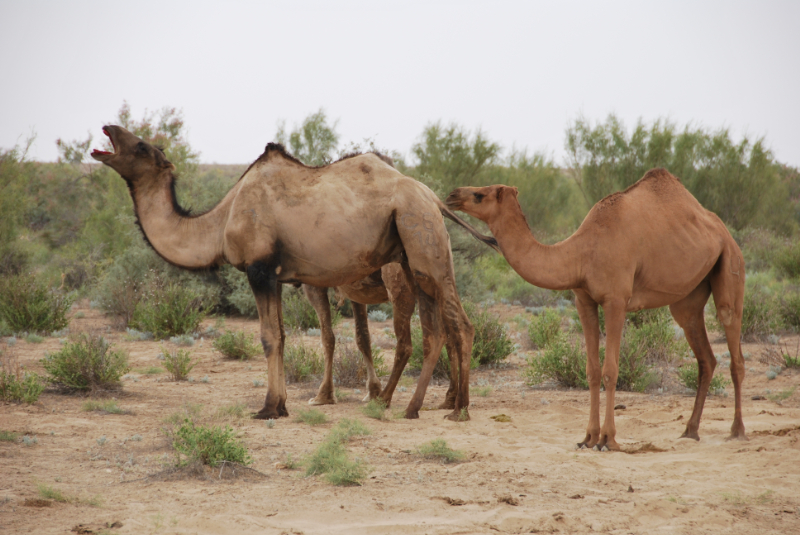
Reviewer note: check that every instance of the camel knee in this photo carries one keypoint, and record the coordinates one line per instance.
(725, 315)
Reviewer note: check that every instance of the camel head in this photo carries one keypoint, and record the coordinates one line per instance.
(134, 159)
(483, 203)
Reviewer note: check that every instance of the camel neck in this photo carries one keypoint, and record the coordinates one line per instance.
(555, 267)
(191, 242)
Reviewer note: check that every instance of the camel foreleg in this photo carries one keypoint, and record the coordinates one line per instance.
(318, 297)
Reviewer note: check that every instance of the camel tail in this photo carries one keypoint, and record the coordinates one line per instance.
(488, 240)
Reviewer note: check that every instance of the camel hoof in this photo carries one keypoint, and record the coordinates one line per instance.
(580, 446)
(458, 416)
(693, 436)
(605, 448)
(596, 448)
(447, 405)
(741, 437)
(268, 415)
(412, 415)
(317, 401)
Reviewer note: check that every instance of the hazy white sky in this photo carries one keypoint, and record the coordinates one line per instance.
(518, 70)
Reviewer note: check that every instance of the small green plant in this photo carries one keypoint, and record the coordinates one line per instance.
(480, 391)
(51, 493)
(16, 385)
(150, 370)
(208, 445)
(183, 340)
(311, 417)
(688, 376)
(237, 345)
(109, 407)
(30, 441)
(28, 304)
(86, 362)
(491, 343)
(544, 328)
(438, 449)
(375, 408)
(301, 363)
(178, 363)
(299, 314)
(562, 362)
(349, 368)
(169, 309)
(236, 411)
(330, 458)
(34, 338)
(8, 436)
(782, 395)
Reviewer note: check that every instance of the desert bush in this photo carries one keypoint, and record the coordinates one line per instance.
(86, 362)
(378, 316)
(442, 368)
(545, 328)
(562, 362)
(109, 407)
(438, 449)
(330, 458)
(787, 261)
(790, 309)
(27, 304)
(178, 363)
(375, 409)
(298, 312)
(688, 375)
(349, 368)
(635, 372)
(8, 436)
(312, 417)
(760, 314)
(491, 343)
(169, 309)
(15, 385)
(301, 363)
(208, 445)
(239, 345)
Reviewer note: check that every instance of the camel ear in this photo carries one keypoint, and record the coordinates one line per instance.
(162, 161)
(502, 191)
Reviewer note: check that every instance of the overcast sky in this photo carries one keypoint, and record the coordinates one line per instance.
(520, 71)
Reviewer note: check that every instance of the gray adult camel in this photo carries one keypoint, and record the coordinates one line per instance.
(649, 246)
(286, 223)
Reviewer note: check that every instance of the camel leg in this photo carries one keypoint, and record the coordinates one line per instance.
(688, 312)
(590, 321)
(318, 297)
(403, 303)
(365, 346)
(432, 342)
(450, 397)
(267, 291)
(727, 285)
(460, 335)
(615, 322)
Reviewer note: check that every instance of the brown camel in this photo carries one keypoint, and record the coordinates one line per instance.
(390, 284)
(649, 246)
(287, 223)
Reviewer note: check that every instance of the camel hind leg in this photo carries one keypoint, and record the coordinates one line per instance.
(402, 290)
(688, 312)
(432, 342)
(727, 286)
(365, 346)
(318, 297)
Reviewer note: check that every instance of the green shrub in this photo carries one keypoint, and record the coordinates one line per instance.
(8, 436)
(27, 304)
(330, 458)
(312, 417)
(688, 375)
(787, 261)
(349, 368)
(178, 363)
(169, 309)
(491, 343)
(109, 407)
(236, 411)
(545, 328)
(15, 385)
(375, 408)
(238, 345)
(208, 445)
(760, 314)
(442, 368)
(301, 363)
(299, 314)
(634, 373)
(438, 449)
(562, 362)
(480, 391)
(790, 309)
(86, 362)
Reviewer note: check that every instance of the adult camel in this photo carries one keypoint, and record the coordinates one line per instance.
(286, 223)
(649, 246)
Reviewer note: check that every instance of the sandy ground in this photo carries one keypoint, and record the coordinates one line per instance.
(523, 476)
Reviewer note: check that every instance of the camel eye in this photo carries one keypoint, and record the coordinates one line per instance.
(141, 149)
(478, 197)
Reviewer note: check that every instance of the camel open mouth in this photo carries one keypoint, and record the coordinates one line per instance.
(96, 153)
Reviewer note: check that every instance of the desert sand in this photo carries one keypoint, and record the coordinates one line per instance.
(521, 476)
